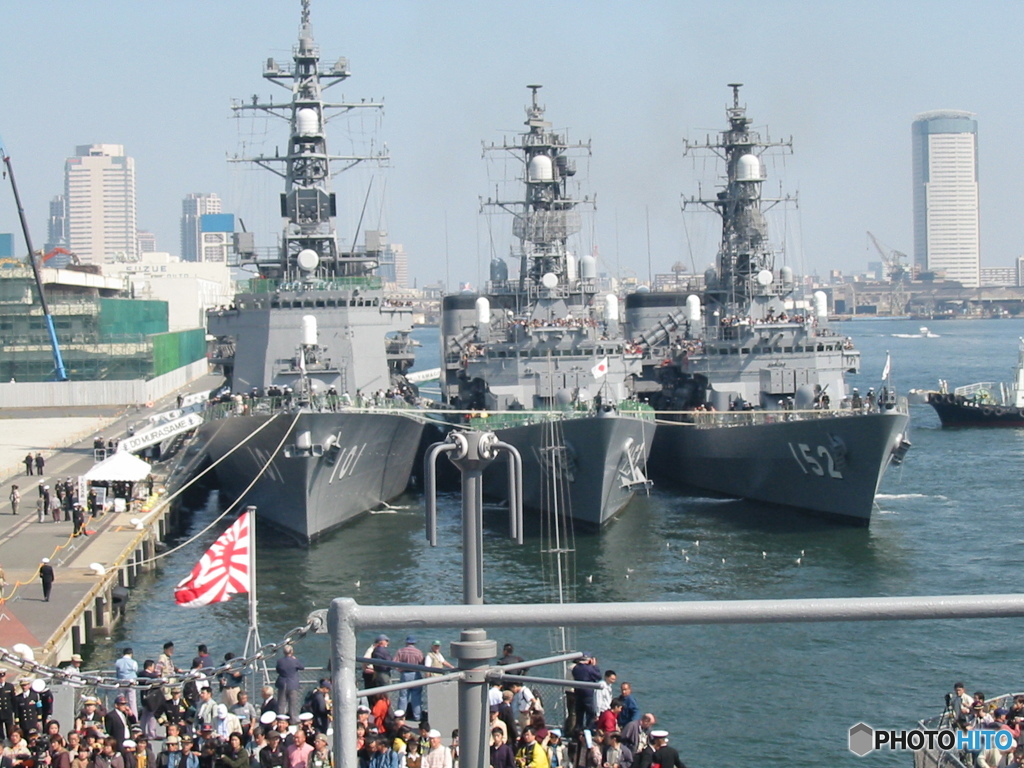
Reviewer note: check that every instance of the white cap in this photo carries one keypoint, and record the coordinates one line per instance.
(433, 733)
(305, 716)
(128, 743)
(399, 713)
(659, 734)
(46, 559)
(268, 717)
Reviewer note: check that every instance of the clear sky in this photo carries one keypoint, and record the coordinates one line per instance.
(845, 80)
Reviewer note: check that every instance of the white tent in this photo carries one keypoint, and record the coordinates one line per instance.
(121, 466)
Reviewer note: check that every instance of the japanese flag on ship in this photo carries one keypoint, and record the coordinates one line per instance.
(601, 368)
(223, 571)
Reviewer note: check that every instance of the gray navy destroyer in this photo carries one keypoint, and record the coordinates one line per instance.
(536, 361)
(749, 383)
(309, 344)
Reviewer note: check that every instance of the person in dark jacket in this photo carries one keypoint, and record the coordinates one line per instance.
(46, 577)
(233, 755)
(6, 706)
(26, 706)
(273, 755)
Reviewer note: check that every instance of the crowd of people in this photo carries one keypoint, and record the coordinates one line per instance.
(209, 721)
(971, 712)
(601, 729)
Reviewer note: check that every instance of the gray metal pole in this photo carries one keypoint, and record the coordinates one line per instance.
(342, 622)
(474, 653)
(472, 536)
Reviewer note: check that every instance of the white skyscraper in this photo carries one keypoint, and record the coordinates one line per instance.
(193, 208)
(946, 226)
(99, 190)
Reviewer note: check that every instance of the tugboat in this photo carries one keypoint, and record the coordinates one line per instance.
(985, 404)
(750, 385)
(315, 352)
(533, 359)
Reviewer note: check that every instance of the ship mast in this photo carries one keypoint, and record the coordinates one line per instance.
(745, 254)
(309, 246)
(546, 217)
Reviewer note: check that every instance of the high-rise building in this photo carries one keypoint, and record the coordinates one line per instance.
(147, 241)
(216, 231)
(57, 224)
(946, 226)
(99, 192)
(193, 208)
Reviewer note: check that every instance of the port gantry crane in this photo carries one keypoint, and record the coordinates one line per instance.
(895, 274)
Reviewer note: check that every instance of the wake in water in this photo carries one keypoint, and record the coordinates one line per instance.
(891, 496)
(923, 333)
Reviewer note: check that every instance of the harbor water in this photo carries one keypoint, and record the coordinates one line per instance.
(947, 522)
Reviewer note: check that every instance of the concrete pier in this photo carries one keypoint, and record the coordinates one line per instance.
(86, 600)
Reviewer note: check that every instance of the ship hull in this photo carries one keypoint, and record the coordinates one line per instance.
(590, 466)
(830, 466)
(330, 468)
(957, 411)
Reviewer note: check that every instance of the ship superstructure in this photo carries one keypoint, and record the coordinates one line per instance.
(552, 372)
(750, 380)
(312, 341)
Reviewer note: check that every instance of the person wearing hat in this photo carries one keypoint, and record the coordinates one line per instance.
(225, 723)
(174, 710)
(119, 720)
(15, 498)
(664, 755)
(171, 756)
(46, 577)
(380, 675)
(26, 705)
(74, 663)
(436, 659)
(273, 755)
(189, 751)
(410, 698)
(129, 753)
(282, 727)
(321, 756)
(6, 706)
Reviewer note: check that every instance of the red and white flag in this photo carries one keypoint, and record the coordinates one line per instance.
(601, 368)
(223, 571)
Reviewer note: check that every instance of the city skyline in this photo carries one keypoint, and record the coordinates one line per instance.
(843, 81)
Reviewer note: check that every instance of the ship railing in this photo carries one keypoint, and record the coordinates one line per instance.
(246, 405)
(716, 419)
(485, 419)
(936, 757)
(267, 285)
(982, 392)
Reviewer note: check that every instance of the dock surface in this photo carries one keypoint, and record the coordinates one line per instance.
(80, 600)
